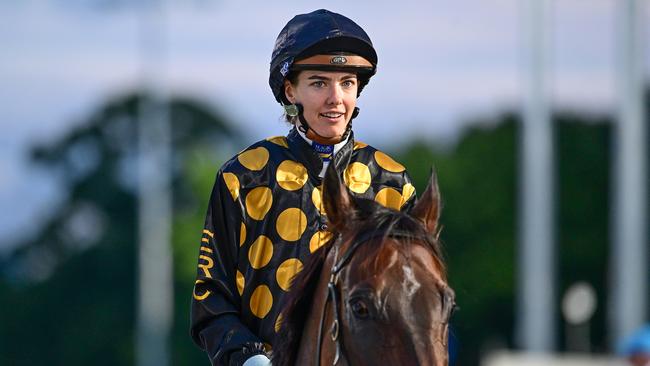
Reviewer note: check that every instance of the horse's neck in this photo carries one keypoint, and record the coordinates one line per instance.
(308, 342)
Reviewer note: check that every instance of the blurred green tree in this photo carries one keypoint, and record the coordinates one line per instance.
(478, 182)
(68, 294)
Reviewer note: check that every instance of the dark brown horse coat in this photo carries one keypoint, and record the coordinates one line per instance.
(391, 297)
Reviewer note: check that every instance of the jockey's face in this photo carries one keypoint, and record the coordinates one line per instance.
(328, 99)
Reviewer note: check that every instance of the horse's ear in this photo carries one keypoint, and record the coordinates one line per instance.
(427, 209)
(336, 200)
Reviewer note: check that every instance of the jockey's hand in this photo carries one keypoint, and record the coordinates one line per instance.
(258, 360)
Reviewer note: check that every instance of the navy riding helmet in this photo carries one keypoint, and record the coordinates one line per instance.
(303, 42)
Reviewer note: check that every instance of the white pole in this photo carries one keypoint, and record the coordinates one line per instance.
(629, 270)
(155, 284)
(536, 294)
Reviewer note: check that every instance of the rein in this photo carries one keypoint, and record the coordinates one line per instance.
(332, 293)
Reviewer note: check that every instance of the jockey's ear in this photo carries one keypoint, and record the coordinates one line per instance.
(427, 209)
(337, 201)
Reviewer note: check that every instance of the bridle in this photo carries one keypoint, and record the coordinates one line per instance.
(332, 293)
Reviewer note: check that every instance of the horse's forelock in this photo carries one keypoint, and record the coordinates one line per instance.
(381, 219)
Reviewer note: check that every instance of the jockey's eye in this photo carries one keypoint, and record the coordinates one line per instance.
(359, 308)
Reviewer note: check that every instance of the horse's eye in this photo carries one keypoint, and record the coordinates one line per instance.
(359, 309)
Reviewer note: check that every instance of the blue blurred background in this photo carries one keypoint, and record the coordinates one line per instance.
(448, 92)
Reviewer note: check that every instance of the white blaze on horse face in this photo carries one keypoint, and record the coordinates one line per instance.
(411, 285)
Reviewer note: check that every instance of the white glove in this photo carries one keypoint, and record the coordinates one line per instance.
(258, 360)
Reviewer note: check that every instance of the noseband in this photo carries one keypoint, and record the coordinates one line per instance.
(332, 295)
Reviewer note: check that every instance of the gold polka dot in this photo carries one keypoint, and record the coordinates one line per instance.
(359, 145)
(389, 197)
(279, 140)
(254, 159)
(357, 177)
(291, 175)
(258, 202)
(260, 252)
(317, 199)
(407, 191)
(261, 301)
(241, 281)
(242, 234)
(202, 296)
(318, 240)
(232, 183)
(287, 272)
(388, 163)
(278, 323)
(291, 224)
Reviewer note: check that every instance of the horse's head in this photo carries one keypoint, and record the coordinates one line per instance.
(392, 297)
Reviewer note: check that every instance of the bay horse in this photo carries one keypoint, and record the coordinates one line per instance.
(376, 294)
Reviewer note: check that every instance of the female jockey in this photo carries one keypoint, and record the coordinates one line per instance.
(265, 216)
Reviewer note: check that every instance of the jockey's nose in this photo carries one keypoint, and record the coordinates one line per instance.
(335, 96)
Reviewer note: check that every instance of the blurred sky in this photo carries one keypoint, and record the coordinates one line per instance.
(441, 64)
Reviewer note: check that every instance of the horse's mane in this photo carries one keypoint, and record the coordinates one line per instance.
(296, 307)
(298, 302)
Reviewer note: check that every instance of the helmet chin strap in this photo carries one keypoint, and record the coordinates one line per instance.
(296, 110)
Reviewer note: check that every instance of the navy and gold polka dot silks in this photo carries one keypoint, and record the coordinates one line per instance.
(264, 220)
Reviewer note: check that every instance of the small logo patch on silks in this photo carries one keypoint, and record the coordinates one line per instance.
(338, 60)
(325, 151)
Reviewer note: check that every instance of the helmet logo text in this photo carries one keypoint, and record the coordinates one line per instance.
(338, 60)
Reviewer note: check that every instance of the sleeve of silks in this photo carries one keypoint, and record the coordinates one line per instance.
(215, 317)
